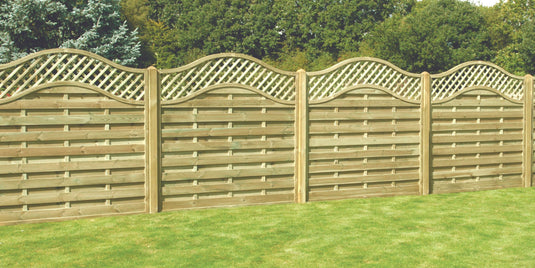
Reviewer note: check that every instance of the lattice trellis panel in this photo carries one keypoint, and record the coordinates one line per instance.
(226, 69)
(72, 66)
(475, 74)
(327, 83)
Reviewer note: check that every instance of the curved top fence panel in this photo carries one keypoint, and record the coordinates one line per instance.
(228, 68)
(363, 71)
(71, 65)
(476, 74)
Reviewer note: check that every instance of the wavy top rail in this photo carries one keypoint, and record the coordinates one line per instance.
(476, 74)
(71, 65)
(227, 68)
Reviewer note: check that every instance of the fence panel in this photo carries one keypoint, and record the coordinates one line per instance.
(363, 131)
(70, 151)
(477, 130)
(363, 143)
(70, 145)
(227, 134)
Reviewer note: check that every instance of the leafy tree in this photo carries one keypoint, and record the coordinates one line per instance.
(93, 25)
(334, 26)
(511, 26)
(179, 30)
(311, 32)
(435, 36)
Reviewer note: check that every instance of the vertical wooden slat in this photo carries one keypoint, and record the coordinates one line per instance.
(301, 136)
(152, 140)
(425, 135)
(528, 131)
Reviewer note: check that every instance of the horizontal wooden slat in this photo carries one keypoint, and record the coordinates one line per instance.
(71, 166)
(354, 128)
(352, 179)
(459, 174)
(471, 186)
(329, 116)
(476, 161)
(363, 166)
(481, 114)
(476, 149)
(69, 197)
(362, 153)
(223, 132)
(363, 141)
(67, 104)
(226, 187)
(222, 117)
(476, 138)
(70, 135)
(228, 201)
(221, 103)
(64, 151)
(69, 213)
(355, 103)
(71, 181)
(232, 173)
(70, 120)
(219, 160)
(223, 145)
(475, 126)
(365, 192)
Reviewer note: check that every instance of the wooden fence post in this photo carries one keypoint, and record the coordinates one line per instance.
(152, 140)
(425, 135)
(527, 160)
(301, 137)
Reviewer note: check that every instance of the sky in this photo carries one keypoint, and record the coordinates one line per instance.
(486, 3)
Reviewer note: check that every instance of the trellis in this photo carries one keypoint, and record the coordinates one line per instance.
(73, 66)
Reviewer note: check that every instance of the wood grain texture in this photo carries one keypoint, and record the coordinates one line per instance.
(528, 131)
(425, 135)
(361, 139)
(476, 146)
(229, 153)
(153, 141)
(69, 151)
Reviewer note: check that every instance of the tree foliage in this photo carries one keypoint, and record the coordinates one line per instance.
(511, 25)
(435, 36)
(94, 25)
(428, 35)
(275, 30)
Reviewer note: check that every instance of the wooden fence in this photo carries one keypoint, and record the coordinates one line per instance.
(81, 136)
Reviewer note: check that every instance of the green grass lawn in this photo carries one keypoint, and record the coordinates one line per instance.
(480, 229)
